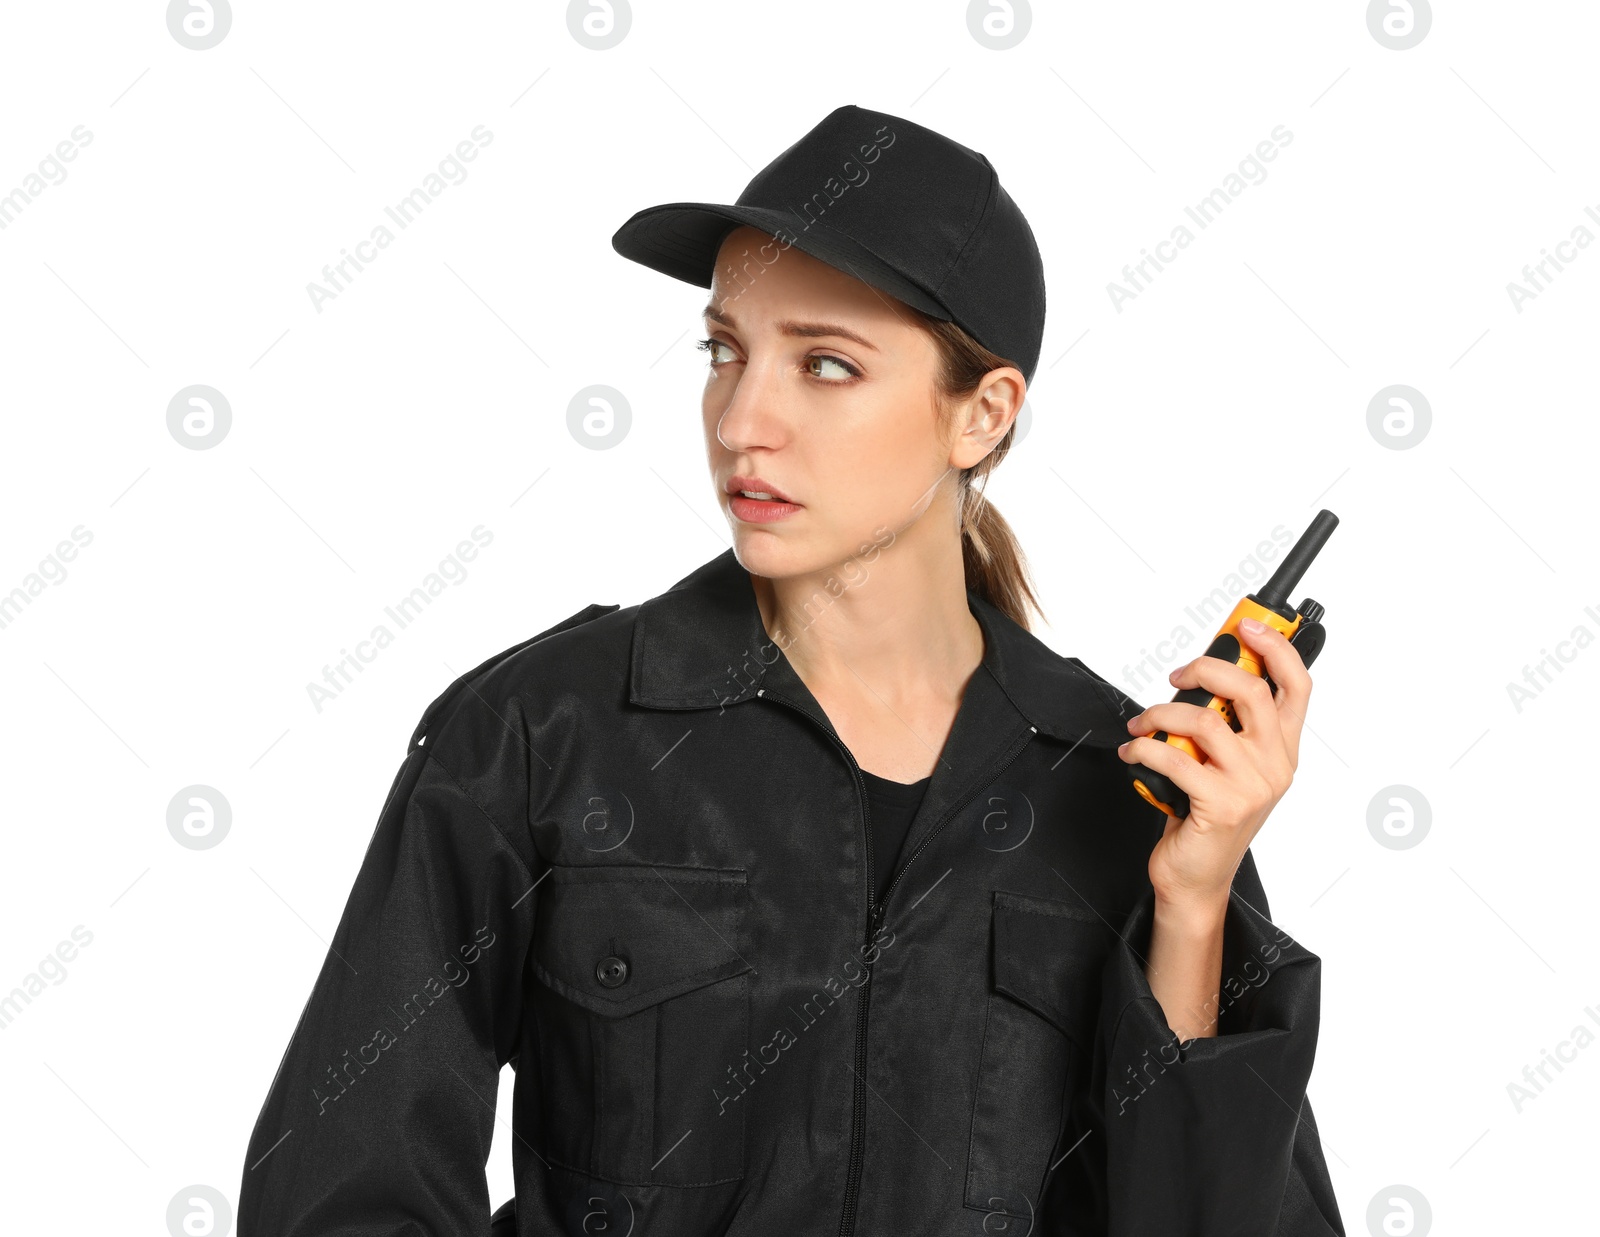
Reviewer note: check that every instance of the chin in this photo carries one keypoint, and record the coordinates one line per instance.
(770, 554)
(777, 555)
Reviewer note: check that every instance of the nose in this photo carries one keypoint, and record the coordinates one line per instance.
(752, 416)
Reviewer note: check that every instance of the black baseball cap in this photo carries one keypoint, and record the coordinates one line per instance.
(894, 204)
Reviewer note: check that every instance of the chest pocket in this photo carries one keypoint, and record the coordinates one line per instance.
(1043, 1007)
(643, 1019)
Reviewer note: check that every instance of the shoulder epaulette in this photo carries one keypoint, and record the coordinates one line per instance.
(592, 611)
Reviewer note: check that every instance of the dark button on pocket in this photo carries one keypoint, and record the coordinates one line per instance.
(643, 1023)
(1038, 1042)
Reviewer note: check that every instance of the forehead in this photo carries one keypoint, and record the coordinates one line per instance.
(758, 275)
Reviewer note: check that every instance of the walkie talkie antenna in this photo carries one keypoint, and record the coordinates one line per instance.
(1302, 627)
(1274, 594)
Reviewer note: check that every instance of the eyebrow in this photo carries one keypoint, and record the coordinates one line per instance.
(790, 327)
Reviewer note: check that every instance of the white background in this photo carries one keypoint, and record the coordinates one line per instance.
(1166, 439)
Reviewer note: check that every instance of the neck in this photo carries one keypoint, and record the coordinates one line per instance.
(898, 623)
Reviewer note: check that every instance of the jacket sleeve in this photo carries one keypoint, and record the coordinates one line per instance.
(380, 1116)
(1214, 1135)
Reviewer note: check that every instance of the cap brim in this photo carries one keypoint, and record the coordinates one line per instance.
(681, 239)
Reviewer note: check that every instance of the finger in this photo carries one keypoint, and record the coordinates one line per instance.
(1199, 781)
(1207, 728)
(1288, 670)
(1253, 702)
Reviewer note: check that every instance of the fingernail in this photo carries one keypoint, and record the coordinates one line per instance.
(1122, 747)
(1173, 677)
(1253, 626)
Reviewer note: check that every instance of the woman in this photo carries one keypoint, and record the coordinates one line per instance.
(812, 894)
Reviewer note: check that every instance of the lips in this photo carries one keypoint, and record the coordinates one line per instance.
(756, 485)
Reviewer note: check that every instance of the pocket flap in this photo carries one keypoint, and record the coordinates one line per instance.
(1049, 956)
(654, 932)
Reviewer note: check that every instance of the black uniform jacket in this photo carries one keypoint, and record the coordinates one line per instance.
(631, 857)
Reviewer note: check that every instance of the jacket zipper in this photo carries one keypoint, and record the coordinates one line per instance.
(875, 915)
(1005, 764)
(874, 918)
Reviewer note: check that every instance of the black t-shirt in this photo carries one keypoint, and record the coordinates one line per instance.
(892, 804)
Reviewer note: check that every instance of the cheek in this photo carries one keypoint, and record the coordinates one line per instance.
(903, 451)
(711, 410)
(882, 467)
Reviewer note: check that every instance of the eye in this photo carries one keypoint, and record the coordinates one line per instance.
(711, 346)
(850, 371)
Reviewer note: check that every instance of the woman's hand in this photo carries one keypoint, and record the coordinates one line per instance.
(1245, 774)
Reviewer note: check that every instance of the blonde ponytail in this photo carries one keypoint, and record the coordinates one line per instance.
(996, 568)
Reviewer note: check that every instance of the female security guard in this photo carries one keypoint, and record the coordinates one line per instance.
(811, 896)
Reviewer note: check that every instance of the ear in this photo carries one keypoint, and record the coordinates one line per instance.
(983, 418)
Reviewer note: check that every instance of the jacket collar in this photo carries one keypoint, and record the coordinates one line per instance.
(701, 645)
